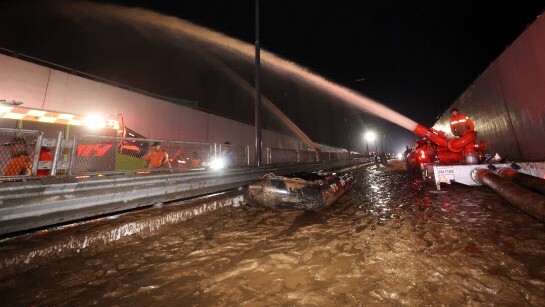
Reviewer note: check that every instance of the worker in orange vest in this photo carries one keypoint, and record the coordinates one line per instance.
(20, 163)
(180, 161)
(157, 157)
(459, 123)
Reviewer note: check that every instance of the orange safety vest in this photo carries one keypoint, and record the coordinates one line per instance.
(460, 124)
(180, 160)
(156, 159)
(19, 165)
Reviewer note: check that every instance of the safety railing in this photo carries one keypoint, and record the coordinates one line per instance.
(307, 156)
(324, 156)
(27, 154)
(354, 155)
(234, 155)
(278, 156)
(102, 154)
(18, 158)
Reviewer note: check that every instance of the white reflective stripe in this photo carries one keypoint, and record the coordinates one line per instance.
(454, 122)
(462, 121)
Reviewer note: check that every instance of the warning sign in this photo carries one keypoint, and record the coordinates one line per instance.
(445, 174)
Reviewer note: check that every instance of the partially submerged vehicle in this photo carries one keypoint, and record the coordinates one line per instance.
(300, 191)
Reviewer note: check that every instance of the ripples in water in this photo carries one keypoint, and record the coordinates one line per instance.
(389, 240)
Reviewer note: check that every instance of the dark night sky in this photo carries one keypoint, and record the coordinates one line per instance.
(416, 57)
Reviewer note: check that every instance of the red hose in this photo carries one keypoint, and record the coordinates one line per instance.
(458, 145)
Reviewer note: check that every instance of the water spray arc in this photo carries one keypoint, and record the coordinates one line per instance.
(221, 45)
(269, 105)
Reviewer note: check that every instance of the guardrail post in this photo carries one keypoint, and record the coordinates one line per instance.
(269, 155)
(37, 150)
(73, 156)
(247, 154)
(58, 147)
(298, 156)
(211, 153)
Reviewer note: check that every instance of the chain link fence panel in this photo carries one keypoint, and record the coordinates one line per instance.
(307, 156)
(277, 155)
(234, 155)
(94, 154)
(334, 156)
(357, 156)
(323, 156)
(101, 154)
(18, 158)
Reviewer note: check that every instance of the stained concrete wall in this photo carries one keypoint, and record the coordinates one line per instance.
(507, 102)
(49, 89)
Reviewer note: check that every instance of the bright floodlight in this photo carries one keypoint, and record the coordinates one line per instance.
(94, 122)
(370, 136)
(217, 164)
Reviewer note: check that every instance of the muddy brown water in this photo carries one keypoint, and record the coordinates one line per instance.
(390, 240)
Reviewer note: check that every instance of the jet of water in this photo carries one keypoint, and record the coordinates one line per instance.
(217, 41)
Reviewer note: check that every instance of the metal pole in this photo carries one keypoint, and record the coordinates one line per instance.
(347, 135)
(58, 150)
(257, 115)
(37, 150)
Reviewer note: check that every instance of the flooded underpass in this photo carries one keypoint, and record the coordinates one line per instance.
(392, 239)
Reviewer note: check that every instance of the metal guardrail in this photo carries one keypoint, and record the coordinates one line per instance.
(39, 203)
(66, 193)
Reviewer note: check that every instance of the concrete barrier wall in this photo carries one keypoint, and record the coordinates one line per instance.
(44, 88)
(507, 102)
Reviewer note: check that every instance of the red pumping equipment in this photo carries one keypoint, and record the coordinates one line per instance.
(463, 149)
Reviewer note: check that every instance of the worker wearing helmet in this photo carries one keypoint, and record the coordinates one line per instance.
(459, 123)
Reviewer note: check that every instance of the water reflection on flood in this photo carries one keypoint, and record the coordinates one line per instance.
(391, 240)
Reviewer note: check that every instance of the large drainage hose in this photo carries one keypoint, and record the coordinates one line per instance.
(533, 183)
(527, 201)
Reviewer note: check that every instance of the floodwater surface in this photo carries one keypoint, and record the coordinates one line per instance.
(390, 240)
